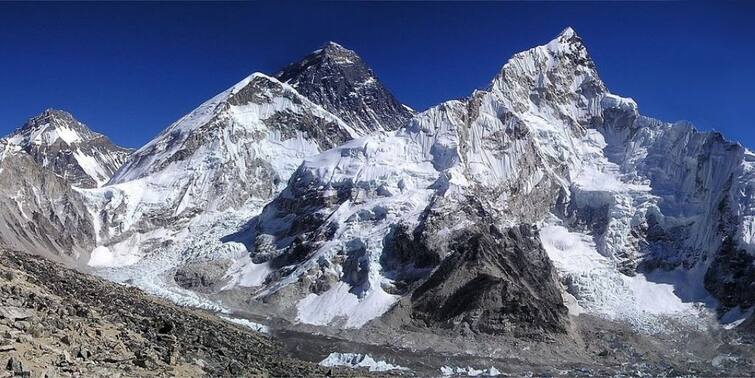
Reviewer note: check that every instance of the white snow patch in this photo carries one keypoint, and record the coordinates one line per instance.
(246, 323)
(338, 302)
(103, 257)
(736, 316)
(245, 273)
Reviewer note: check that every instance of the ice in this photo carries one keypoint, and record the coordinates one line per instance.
(469, 371)
(354, 360)
(246, 323)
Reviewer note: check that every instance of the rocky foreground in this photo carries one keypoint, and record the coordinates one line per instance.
(59, 322)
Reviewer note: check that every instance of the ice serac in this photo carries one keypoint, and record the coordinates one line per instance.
(337, 79)
(62, 144)
(233, 152)
(643, 206)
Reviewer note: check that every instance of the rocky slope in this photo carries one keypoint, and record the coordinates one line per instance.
(58, 322)
(337, 79)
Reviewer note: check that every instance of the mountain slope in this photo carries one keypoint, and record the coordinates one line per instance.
(232, 153)
(337, 79)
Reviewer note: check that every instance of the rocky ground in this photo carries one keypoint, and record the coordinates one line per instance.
(59, 322)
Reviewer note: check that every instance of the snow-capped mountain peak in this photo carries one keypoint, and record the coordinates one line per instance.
(56, 140)
(339, 80)
(50, 127)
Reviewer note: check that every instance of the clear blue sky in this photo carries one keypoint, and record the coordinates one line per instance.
(129, 70)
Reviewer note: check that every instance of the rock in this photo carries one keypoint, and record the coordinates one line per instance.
(16, 366)
(15, 313)
(64, 359)
(7, 348)
(495, 282)
(83, 353)
(201, 276)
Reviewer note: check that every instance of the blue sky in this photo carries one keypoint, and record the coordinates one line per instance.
(130, 69)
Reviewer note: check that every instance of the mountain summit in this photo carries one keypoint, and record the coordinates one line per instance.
(56, 140)
(337, 79)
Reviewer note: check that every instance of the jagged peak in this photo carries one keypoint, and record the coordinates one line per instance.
(49, 127)
(567, 33)
(48, 115)
(565, 54)
(567, 39)
(330, 54)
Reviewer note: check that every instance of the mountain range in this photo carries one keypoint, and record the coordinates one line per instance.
(316, 197)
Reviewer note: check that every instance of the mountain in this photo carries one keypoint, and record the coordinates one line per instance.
(337, 79)
(232, 153)
(59, 142)
(42, 164)
(641, 218)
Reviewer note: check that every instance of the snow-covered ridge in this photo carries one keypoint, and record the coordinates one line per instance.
(232, 153)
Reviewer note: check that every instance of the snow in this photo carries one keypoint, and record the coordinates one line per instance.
(736, 316)
(339, 303)
(245, 273)
(246, 323)
(103, 257)
(46, 134)
(354, 360)
(599, 288)
(92, 167)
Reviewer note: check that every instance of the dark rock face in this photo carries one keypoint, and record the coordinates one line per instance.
(493, 282)
(338, 80)
(731, 277)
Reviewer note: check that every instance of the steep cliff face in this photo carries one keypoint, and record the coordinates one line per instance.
(337, 79)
